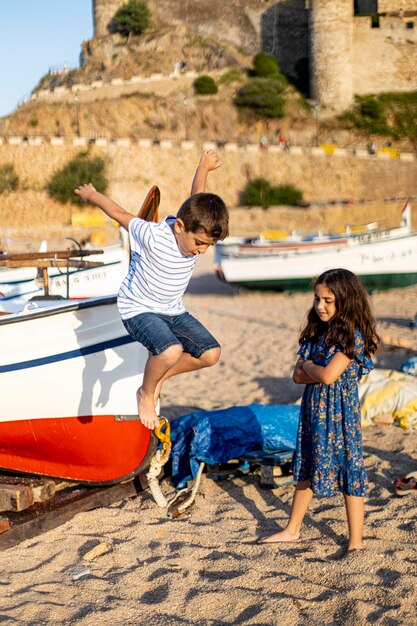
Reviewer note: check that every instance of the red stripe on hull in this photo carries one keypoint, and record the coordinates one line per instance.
(93, 449)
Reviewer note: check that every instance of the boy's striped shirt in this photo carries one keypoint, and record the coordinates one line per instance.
(158, 274)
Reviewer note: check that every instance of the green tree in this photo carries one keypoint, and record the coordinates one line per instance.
(262, 96)
(81, 169)
(259, 192)
(205, 85)
(133, 17)
(9, 180)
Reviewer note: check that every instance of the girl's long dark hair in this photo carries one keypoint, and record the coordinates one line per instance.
(353, 311)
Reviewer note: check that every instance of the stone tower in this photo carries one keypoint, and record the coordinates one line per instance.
(103, 11)
(331, 40)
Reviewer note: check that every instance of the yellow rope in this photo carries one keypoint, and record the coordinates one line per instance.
(158, 461)
(165, 437)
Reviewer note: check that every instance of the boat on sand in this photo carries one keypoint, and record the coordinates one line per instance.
(68, 378)
(383, 258)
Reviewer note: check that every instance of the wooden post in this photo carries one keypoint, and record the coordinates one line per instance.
(45, 281)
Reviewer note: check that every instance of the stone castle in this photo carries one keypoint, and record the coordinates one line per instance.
(348, 47)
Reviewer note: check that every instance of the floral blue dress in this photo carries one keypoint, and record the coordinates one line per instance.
(329, 441)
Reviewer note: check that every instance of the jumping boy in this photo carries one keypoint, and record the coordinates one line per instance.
(150, 297)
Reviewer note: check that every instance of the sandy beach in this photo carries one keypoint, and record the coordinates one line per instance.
(205, 568)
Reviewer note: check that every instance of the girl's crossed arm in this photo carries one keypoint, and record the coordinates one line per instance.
(326, 374)
(299, 375)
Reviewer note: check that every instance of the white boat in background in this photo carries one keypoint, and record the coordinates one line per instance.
(14, 276)
(269, 243)
(383, 258)
(19, 285)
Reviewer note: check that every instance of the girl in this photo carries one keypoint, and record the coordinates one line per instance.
(336, 345)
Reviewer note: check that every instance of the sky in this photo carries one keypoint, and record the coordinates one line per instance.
(36, 36)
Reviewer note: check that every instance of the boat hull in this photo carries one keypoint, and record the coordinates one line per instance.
(90, 449)
(381, 264)
(372, 282)
(68, 380)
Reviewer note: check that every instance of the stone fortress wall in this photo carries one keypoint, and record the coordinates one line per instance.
(331, 52)
(336, 42)
(352, 55)
(393, 50)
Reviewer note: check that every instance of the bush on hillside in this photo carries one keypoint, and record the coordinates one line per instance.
(266, 66)
(260, 192)
(371, 108)
(406, 123)
(80, 170)
(132, 18)
(262, 96)
(9, 180)
(231, 76)
(386, 114)
(204, 85)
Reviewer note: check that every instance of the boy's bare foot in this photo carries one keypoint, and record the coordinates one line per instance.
(146, 410)
(284, 536)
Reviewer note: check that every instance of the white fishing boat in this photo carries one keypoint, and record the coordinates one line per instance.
(270, 242)
(19, 284)
(68, 379)
(69, 372)
(382, 257)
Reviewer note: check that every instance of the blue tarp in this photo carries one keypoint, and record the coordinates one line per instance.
(410, 366)
(218, 436)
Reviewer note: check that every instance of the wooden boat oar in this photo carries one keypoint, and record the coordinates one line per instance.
(55, 262)
(52, 254)
(149, 209)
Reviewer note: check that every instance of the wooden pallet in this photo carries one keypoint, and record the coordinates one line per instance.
(33, 505)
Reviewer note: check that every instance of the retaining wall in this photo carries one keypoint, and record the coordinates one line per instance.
(134, 167)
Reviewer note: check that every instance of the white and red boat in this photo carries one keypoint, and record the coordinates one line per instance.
(68, 379)
(69, 372)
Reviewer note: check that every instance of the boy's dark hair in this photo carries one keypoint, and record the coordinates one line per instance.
(353, 312)
(205, 212)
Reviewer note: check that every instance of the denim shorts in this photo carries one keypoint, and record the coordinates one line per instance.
(157, 332)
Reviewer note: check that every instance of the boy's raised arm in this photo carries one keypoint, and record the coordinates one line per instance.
(88, 193)
(209, 161)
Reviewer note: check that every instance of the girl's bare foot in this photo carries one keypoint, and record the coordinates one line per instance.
(146, 410)
(284, 536)
(355, 547)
